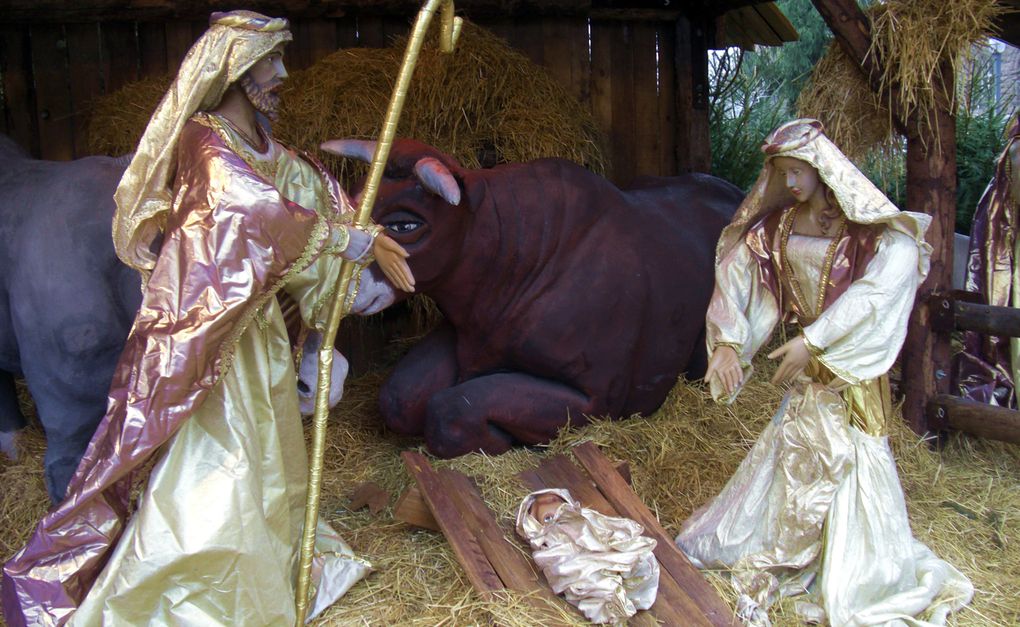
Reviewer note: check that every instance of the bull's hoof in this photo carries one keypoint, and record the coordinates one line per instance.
(9, 445)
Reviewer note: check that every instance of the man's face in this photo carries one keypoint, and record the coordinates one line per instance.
(261, 82)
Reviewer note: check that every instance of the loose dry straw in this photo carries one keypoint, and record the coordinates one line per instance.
(912, 39)
(964, 502)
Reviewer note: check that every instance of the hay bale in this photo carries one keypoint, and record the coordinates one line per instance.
(484, 104)
(116, 120)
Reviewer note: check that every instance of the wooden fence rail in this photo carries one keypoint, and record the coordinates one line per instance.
(956, 311)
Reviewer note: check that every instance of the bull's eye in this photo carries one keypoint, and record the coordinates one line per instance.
(405, 226)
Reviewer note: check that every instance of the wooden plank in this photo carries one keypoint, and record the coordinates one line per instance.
(120, 54)
(299, 50)
(513, 567)
(931, 189)
(623, 136)
(86, 81)
(666, 40)
(395, 27)
(321, 39)
(347, 33)
(683, 84)
(647, 133)
(371, 32)
(152, 48)
(52, 92)
(527, 38)
(601, 89)
(411, 508)
(469, 554)
(703, 597)
(672, 604)
(565, 49)
(178, 41)
(700, 142)
(979, 419)
(558, 472)
(19, 96)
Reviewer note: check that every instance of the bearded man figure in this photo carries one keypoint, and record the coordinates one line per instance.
(217, 216)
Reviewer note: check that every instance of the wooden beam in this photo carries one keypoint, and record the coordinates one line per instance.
(852, 29)
(931, 189)
(950, 314)
(979, 419)
(623, 499)
(469, 554)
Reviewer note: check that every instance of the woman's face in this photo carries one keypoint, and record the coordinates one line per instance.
(799, 177)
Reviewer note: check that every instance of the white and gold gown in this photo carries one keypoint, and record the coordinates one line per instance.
(215, 539)
(816, 506)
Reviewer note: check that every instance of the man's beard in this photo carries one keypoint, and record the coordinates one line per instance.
(263, 97)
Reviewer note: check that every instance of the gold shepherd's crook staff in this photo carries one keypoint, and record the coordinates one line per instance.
(449, 30)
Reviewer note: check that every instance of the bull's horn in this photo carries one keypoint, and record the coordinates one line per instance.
(437, 179)
(361, 149)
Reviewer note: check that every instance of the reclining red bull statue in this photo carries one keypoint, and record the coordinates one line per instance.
(564, 296)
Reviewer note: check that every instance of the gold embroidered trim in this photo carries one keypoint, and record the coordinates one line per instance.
(812, 350)
(830, 254)
(265, 168)
(315, 242)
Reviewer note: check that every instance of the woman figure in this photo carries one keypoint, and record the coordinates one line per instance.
(816, 506)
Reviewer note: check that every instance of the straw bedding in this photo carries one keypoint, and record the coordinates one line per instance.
(964, 502)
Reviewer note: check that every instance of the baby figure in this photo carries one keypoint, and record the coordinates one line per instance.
(600, 564)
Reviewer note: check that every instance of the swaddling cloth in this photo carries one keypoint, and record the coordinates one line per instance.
(600, 564)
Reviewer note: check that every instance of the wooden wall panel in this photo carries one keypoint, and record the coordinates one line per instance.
(666, 42)
(19, 96)
(120, 54)
(624, 71)
(52, 92)
(84, 49)
(565, 43)
(623, 136)
(647, 132)
(152, 49)
(178, 41)
(601, 90)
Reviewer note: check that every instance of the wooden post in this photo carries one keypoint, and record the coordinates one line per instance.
(931, 189)
(979, 419)
(693, 147)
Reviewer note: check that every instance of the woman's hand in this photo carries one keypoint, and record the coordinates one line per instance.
(392, 259)
(795, 358)
(725, 366)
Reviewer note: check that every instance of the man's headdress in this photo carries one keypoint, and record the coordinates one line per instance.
(233, 43)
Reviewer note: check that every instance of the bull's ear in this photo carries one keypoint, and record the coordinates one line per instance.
(436, 178)
(361, 149)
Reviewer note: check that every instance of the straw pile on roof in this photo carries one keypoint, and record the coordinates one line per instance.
(912, 39)
(486, 103)
(964, 502)
(854, 116)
